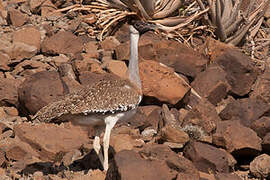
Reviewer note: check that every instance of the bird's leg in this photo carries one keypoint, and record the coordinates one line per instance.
(97, 148)
(110, 122)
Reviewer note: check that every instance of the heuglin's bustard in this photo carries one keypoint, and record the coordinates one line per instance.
(103, 103)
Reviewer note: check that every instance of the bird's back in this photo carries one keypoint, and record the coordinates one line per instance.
(109, 95)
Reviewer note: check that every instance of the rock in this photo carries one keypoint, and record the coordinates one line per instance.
(91, 175)
(203, 115)
(118, 68)
(110, 43)
(261, 126)
(88, 65)
(5, 60)
(180, 57)
(28, 35)
(48, 9)
(127, 163)
(206, 157)
(260, 166)
(216, 48)
(212, 84)
(262, 86)
(16, 150)
(2, 158)
(30, 67)
(176, 162)
(237, 139)
(19, 51)
(91, 49)
(240, 73)
(35, 6)
(266, 142)
(70, 157)
(174, 134)
(226, 176)
(162, 82)
(17, 18)
(206, 176)
(8, 92)
(121, 142)
(246, 110)
(50, 140)
(35, 92)
(63, 42)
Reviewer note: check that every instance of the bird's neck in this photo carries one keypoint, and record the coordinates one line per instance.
(133, 67)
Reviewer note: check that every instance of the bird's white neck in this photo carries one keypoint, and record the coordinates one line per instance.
(133, 67)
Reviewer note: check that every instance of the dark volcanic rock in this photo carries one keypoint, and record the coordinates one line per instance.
(206, 157)
(240, 73)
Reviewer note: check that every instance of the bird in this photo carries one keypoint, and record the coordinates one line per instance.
(102, 103)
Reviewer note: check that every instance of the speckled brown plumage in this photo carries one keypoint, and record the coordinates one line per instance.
(109, 95)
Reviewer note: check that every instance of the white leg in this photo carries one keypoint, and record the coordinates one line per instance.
(110, 121)
(97, 148)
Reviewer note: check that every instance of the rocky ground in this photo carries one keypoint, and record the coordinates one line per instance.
(203, 116)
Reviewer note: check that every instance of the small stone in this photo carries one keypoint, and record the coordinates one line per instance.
(260, 166)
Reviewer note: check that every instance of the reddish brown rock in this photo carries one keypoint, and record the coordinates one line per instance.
(110, 43)
(121, 142)
(118, 68)
(245, 110)
(203, 115)
(28, 35)
(176, 162)
(36, 91)
(260, 166)
(48, 9)
(17, 18)
(162, 82)
(35, 5)
(19, 51)
(127, 163)
(261, 126)
(216, 48)
(205, 157)
(262, 86)
(240, 73)
(8, 92)
(17, 150)
(5, 60)
(49, 140)
(88, 65)
(63, 42)
(2, 158)
(227, 176)
(91, 49)
(30, 67)
(212, 84)
(178, 56)
(237, 139)
(266, 143)
(174, 134)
